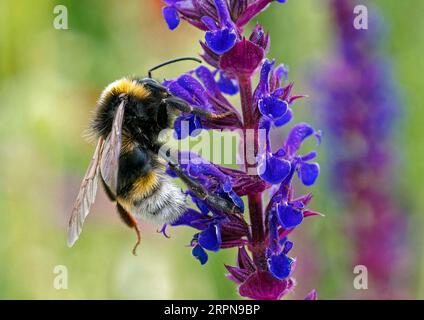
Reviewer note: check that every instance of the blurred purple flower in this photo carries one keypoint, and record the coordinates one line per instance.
(360, 136)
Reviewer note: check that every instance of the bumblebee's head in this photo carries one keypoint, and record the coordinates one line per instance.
(143, 98)
(143, 108)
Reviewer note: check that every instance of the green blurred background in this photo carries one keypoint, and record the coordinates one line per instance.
(49, 82)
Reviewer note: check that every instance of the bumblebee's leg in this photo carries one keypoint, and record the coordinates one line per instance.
(132, 223)
(200, 192)
(180, 104)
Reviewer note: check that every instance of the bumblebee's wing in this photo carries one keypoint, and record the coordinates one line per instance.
(109, 163)
(86, 196)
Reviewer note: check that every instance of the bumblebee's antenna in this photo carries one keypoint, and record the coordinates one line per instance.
(171, 62)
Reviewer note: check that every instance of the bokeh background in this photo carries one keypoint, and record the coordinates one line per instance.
(49, 82)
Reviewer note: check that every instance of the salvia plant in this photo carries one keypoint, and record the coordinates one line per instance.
(264, 265)
(361, 107)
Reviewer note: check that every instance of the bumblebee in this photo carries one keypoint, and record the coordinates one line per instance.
(128, 161)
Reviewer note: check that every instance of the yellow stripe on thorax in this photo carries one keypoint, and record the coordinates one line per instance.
(127, 86)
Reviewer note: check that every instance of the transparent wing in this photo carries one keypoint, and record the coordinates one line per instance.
(86, 196)
(109, 163)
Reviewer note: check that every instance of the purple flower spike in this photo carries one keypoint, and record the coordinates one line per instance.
(210, 238)
(289, 217)
(273, 170)
(171, 17)
(280, 266)
(308, 173)
(200, 254)
(263, 269)
(360, 111)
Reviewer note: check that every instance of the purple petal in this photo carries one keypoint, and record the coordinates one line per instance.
(210, 238)
(200, 167)
(171, 17)
(209, 23)
(262, 285)
(194, 88)
(274, 244)
(251, 11)
(238, 275)
(262, 89)
(305, 199)
(272, 107)
(187, 125)
(221, 41)
(280, 153)
(236, 200)
(228, 85)
(235, 243)
(313, 295)
(308, 173)
(170, 172)
(273, 170)
(280, 266)
(244, 260)
(200, 254)
(289, 217)
(296, 137)
(177, 90)
(288, 245)
(208, 80)
(242, 60)
(294, 98)
(310, 156)
(227, 185)
(309, 213)
(202, 205)
(194, 219)
(209, 56)
(260, 37)
(280, 73)
(223, 13)
(286, 118)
